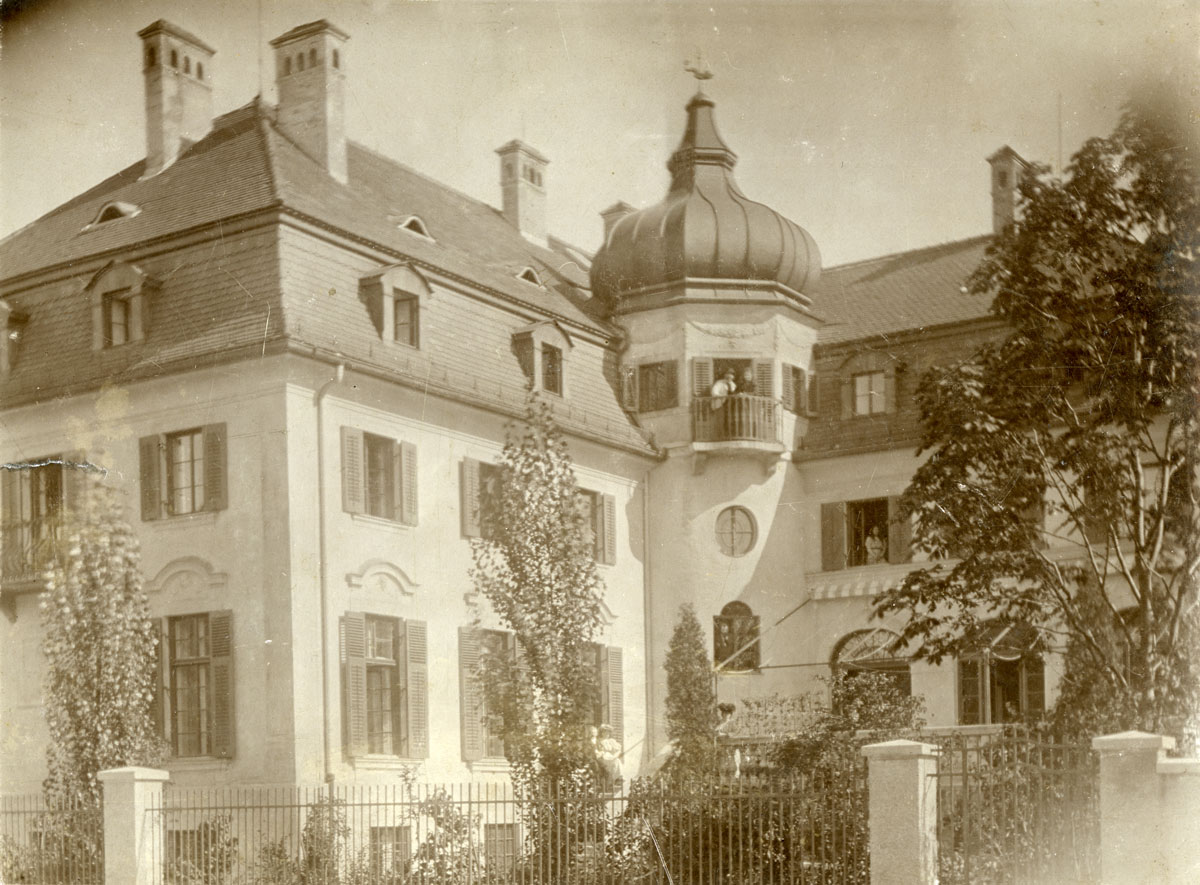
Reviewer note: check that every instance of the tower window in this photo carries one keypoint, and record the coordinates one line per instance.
(199, 71)
(174, 59)
(300, 62)
(1002, 177)
(287, 66)
(187, 65)
(312, 58)
(151, 57)
(336, 59)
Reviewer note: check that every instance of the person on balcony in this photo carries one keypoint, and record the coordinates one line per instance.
(723, 388)
(876, 547)
(747, 385)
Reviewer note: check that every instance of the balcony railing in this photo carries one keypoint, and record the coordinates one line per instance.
(737, 418)
(26, 549)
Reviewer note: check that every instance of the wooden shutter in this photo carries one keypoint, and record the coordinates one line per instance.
(215, 485)
(629, 388)
(788, 391)
(800, 389)
(469, 498)
(354, 493)
(1033, 680)
(616, 693)
(764, 378)
(670, 392)
(354, 682)
(98, 329)
(899, 533)
(523, 348)
(608, 522)
(75, 482)
(150, 454)
(416, 671)
(970, 691)
(220, 630)
(833, 536)
(470, 695)
(702, 376)
(406, 477)
(158, 681)
(814, 395)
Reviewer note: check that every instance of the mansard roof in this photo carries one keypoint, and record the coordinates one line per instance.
(904, 292)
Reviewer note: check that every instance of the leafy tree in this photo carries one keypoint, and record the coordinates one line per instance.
(99, 645)
(1064, 460)
(535, 565)
(691, 703)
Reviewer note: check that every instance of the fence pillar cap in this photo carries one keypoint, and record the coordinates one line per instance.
(1132, 740)
(900, 749)
(134, 773)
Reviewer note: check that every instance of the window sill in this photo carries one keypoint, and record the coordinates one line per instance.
(383, 763)
(198, 763)
(187, 520)
(378, 521)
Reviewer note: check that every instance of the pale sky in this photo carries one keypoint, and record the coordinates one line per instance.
(866, 123)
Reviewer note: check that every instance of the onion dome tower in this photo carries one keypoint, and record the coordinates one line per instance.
(704, 230)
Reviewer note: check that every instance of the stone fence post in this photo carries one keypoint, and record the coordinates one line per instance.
(133, 839)
(1149, 806)
(902, 782)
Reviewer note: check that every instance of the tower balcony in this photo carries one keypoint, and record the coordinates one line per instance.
(735, 424)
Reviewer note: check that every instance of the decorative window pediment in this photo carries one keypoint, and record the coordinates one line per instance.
(119, 294)
(395, 298)
(113, 211)
(189, 577)
(383, 579)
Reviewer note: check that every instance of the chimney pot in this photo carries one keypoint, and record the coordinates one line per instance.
(310, 76)
(178, 94)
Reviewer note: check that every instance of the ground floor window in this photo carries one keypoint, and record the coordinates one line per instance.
(872, 651)
(1005, 680)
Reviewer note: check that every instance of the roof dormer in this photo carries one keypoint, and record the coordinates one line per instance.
(119, 295)
(542, 349)
(114, 210)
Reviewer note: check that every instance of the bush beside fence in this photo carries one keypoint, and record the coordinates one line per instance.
(50, 844)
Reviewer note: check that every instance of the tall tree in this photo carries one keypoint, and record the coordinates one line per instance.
(535, 565)
(691, 702)
(100, 651)
(1063, 468)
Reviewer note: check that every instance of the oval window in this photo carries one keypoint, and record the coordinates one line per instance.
(736, 532)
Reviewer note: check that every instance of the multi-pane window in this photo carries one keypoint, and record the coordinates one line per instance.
(405, 318)
(191, 701)
(390, 851)
(384, 687)
(657, 387)
(1005, 680)
(552, 369)
(185, 471)
(501, 644)
(869, 393)
(380, 489)
(599, 519)
(116, 319)
(868, 532)
(500, 843)
(33, 500)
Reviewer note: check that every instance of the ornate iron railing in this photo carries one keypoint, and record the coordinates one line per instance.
(737, 418)
(27, 548)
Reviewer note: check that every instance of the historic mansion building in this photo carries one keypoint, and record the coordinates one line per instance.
(297, 359)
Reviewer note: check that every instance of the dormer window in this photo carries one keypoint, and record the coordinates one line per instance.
(530, 275)
(542, 350)
(113, 211)
(415, 225)
(869, 393)
(12, 327)
(552, 369)
(868, 385)
(120, 305)
(394, 300)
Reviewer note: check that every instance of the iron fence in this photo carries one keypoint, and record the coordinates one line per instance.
(50, 843)
(747, 830)
(1017, 809)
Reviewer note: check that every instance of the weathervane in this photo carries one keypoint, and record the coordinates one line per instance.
(698, 68)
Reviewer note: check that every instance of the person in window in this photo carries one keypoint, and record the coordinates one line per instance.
(724, 386)
(876, 547)
(747, 385)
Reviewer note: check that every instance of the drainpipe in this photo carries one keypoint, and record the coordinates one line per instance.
(326, 759)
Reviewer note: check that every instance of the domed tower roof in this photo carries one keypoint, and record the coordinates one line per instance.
(705, 229)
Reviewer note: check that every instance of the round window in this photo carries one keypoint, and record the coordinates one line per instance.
(735, 531)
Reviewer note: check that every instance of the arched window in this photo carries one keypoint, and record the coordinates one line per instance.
(174, 59)
(151, 56)
(187, 64)
(336, 59)
(874, 651)
(735, 639)
(1004, 679)
(312, 58)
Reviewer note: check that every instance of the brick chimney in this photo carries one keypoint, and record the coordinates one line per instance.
(613, 214)
(1007, 171)
(523, 189)
(177, 68)
(310, 73)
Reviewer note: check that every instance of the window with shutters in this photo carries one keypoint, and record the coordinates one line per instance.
(34, 496)
(183, 472)
(194, 701)
(599, 517)
(734, 399)
(116, 318)
(795, 389)
(477, 485)
(1004, 681)
(862, 533)
(379, 476)
(384, 686)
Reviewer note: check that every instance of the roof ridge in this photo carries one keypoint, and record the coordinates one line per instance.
(424, 176)
(966, 241)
